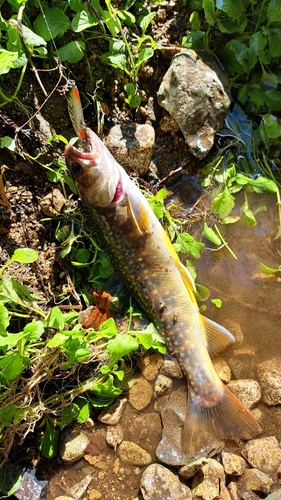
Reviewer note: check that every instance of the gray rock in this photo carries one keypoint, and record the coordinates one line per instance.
(113, 413)
(254, 480)
(30, 487)
(133, 454)
(247, 391)
(73, 445)
(222, 369)
(131, 145)
(171, 368)
(79, 489)
(157, 482)
(274, 496)
(207, 484)
(263, 453)
(163, 385)
(114, 435)
(269, 373)
(233, 464)
(192, 468)
(194, 95)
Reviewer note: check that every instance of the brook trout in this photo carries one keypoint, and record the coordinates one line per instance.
(145, 259)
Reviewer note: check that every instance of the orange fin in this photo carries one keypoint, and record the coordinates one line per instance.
(139, 214)
(228, 419)
(218, 337)
(188, 281)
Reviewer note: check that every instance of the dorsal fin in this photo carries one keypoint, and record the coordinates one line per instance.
(218, 337)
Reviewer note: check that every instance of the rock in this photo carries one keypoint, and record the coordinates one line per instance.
(233, 490)
(131, 145)
(114, 436)
(274, 496)
(149, 365)
(233, 465)
(78, 489)
(171, 368)
(144, 430)
(254, 480)
(269, 374)
(263, 454)
(169, 450)
(112, 414)
(163, 385)
(133, 454)
(140, 394)
(64, 498)
(196, 97)
(30, 487)
(53, 203)
(247, 391)
(94, 495)
(222, 369)
(192, 468)
(73, 445)
(242, 368)
(207, 483)
(157, 482)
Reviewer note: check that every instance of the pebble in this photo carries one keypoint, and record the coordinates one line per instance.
(131, 144)
(263, 454)
(158, 482)
(94, 495)
(190, 469)
(64, 498)
(222, 369)
(274, 496)
(73, 445)
(140, 394)
(78, 489)
(208, 482)
(254, 480)
(30, 487)
(247, 391)
(149, 365)
(171, 368)
(53, 203)
(113, 413)
(114, 436)
(163, 385)
(242, 368)
(269, 374)
(133, 454)
(233, 464)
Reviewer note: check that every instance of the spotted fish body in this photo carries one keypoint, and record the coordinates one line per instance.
(145, 259)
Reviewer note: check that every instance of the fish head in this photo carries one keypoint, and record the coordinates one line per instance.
(96, 173)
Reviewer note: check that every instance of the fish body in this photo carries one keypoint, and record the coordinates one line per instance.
(145, 259)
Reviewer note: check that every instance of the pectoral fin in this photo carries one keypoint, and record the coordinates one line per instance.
(218, 337)
(139, 214)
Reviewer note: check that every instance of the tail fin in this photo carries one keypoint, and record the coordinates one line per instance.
(228, 419)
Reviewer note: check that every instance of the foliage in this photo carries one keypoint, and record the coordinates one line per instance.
(53, 346)
(246, 38)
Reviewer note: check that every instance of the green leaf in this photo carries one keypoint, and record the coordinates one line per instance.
(82, 21)
(145, 21)
(10, 478)
(258, 184)
(247, 215)
(33, 331)
(274, 11)
(217, 303)
(106, 390)
(24, 256)
(144, 55)
(11, 366)
(223, 203)
(269, 270)
(203, 292)
(4, 319)
(272, 98)
(195, 21)
(209, 10)
(84, 410)
(127, 17)
(49, 442)
(76, 349)
(7, 60)
(120, 346)
(54, 23)
(274, 41)
(72, 52)
(55, 319)
(210, 234)
(233, 8)
(133, 100)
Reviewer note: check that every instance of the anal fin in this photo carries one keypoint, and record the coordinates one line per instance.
(218, 337)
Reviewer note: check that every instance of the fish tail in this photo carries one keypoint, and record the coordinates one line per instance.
(227, 419)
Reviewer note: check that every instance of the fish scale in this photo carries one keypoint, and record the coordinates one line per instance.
(145, 259)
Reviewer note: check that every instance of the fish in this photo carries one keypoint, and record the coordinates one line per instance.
(142, 254)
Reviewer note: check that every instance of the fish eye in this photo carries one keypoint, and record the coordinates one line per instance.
(76, 169)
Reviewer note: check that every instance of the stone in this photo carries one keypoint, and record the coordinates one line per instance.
(197, 97)
(30, 488)
(222, 369)
(269, 374)
(276, 495)
(114, 436)
(233, 465)
(247, 391)
(133, 454)
(94, 495)
(140, 394)
(73, 445)
(254, 480)
(149, 365)
(79, 489)
(208, 482)
(53, 203)
(113, 413)
(131, 144)
(171, 368)
(192, 468)
(158, 482)
(263, 454)
(163, 385)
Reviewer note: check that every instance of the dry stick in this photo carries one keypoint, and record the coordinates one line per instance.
(26, 51)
